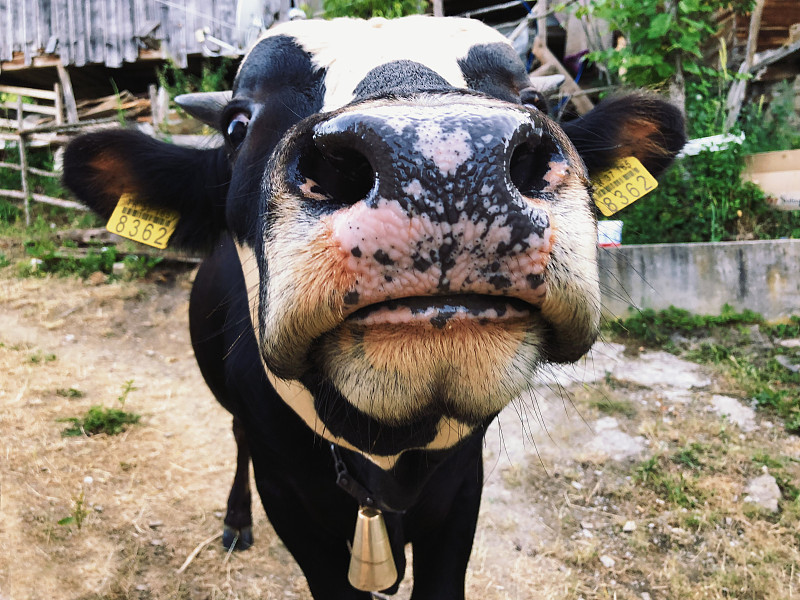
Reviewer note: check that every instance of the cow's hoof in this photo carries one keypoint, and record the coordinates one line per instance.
(237, 539)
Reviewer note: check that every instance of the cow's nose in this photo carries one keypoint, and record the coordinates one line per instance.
(442, 155)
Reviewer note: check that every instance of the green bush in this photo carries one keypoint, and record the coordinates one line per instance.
(365, 9)
(702, 198)
(39, 158)
(99, 419)
(48, 259)
(776, 127)
(214, 76)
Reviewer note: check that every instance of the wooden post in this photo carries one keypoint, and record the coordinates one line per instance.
(541, 21)
(69, 95)
(155, 113)
(59, 104)
(738, 88)
(23, 163)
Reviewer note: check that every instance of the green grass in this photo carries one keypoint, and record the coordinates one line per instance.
(656, 328)
(99, 419)
(724, 342)
(37, 358)
(675, 488)
(48, 259)
(689, 456)
(614, 407)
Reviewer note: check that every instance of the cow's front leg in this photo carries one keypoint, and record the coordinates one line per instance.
(441, 553)
(238, 524)
(311, 521)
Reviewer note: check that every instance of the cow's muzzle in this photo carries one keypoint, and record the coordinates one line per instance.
(417, 258)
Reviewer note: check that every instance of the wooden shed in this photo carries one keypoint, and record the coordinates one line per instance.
(776, 29)
(94, 41)
(108, 32)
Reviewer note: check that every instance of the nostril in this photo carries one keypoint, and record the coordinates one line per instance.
(530, 163)
(341, 173)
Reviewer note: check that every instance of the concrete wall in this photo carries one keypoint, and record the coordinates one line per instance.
(763, 276)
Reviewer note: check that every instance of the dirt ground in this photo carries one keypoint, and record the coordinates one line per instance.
(558, 503)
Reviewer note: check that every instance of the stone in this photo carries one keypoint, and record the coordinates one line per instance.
(629, 527)
(607, 561)
(661, 369)
(612, 442)
(764, 491)
(735, 411)
(787, 363)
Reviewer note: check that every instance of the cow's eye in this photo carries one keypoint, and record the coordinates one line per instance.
(237, 129)
(533, 99)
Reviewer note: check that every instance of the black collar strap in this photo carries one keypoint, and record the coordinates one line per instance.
(350, 485)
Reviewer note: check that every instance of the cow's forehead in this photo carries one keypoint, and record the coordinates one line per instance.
(348, 49)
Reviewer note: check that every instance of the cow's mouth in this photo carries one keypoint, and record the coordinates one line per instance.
(442, 311)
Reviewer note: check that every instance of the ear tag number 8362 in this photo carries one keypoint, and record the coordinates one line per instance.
(142, 223)
(622, 185)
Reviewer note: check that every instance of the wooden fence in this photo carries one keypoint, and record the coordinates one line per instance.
(50, 129)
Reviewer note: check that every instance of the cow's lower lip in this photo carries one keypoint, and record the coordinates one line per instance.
(441, 310)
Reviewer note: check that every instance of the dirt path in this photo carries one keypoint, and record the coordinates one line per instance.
(554, 505)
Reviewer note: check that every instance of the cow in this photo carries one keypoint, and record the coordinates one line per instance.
(397, 238)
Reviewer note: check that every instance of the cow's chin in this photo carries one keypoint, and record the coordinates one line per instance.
(467, 369)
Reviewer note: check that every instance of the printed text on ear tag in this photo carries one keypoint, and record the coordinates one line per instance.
(143, 223)
(622, 185)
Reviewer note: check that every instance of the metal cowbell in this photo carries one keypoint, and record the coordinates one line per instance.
(372, 565)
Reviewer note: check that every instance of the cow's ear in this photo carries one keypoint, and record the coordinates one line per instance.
(640, 125)
(205, 106)
(100, 167)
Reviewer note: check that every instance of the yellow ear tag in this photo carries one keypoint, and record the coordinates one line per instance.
(142, 223)
(622, 185)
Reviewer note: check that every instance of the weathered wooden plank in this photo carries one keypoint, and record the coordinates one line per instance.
(32, 170)
(72, 33)
(14, 25)
(5, 39)
(95, 31)
(23, 163)
(44, 21)
(59, 105)
(69, 96)
(38, 109)
(43, 199)
(103, 31)
(61, 30)
(27, 27)
(28, 92)
(85, 27)
(112, 56)
(127, 26)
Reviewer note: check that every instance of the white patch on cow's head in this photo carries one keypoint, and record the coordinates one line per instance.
(348, 49)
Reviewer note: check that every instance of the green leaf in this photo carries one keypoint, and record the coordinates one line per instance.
(691, 67)
(689, 6)
(659, 26)
(66, 520)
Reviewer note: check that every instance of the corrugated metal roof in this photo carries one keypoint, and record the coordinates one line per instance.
(110, 32)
